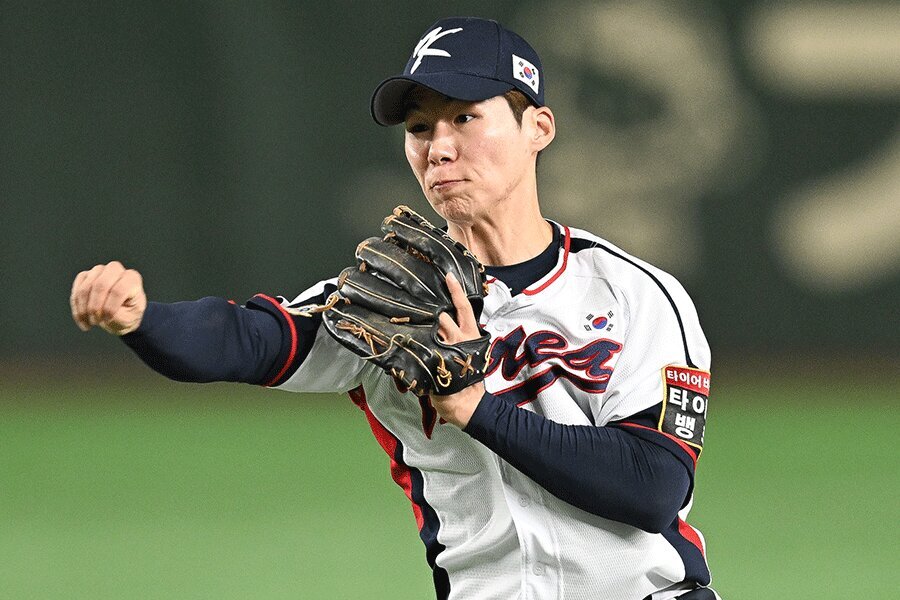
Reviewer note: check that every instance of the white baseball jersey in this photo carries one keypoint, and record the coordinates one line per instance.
(602, 337)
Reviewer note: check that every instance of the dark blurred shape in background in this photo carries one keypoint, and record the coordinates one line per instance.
(751, 148)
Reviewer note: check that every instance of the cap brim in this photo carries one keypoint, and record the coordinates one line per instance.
(389, 100)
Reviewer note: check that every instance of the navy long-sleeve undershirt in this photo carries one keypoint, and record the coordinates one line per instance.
(208, 340)
(604, 470)
(614, 473)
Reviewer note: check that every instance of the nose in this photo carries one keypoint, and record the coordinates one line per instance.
(443, 145)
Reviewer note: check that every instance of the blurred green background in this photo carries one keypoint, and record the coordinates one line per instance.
(123, 488)
(750, 147)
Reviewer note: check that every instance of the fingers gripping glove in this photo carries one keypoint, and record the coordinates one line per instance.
(386, 308)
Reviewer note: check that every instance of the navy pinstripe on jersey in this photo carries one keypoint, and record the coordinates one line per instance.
(579, 244)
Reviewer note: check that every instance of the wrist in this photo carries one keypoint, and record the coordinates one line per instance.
(147, 314)
(458, 408)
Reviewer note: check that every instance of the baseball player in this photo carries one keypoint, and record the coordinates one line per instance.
(567, 470)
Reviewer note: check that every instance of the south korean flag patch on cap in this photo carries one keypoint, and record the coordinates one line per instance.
(526, 72)
(684, 404)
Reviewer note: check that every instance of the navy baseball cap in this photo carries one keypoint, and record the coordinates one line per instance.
(463, 58)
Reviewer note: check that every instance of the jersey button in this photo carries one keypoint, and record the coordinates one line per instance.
(538, 569)
(524, 501)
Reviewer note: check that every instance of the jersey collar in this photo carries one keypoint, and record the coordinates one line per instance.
(553, 275)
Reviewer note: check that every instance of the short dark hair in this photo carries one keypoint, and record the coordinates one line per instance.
(518, 102)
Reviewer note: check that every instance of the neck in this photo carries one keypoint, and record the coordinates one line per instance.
(510, 233)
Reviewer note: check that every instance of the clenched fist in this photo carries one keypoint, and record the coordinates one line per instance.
(109, 296)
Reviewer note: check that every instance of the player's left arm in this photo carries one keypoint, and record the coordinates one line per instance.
(608, 471)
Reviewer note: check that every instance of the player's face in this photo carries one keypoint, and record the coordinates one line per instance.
(467, 156)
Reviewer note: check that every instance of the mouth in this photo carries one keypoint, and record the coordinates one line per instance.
(444, 184)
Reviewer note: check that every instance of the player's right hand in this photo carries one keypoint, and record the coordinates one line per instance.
(110, 297)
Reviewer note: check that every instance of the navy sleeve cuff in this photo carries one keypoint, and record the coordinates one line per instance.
(484, 419)
(150, 318)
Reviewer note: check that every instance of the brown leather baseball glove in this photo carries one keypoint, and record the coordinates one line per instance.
(386, 308)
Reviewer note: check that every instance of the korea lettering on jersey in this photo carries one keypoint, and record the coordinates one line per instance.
(602, 337)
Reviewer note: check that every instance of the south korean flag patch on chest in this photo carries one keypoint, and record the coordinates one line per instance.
(686, 396)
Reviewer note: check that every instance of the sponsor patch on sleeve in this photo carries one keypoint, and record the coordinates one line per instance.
(686, 396)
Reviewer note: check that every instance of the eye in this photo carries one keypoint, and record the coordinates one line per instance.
(464, 118)
(416, 127)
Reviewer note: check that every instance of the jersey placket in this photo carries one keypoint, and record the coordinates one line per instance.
(541, 570)
(540, 566)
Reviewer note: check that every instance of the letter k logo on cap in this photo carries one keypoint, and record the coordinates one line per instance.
(423, 48)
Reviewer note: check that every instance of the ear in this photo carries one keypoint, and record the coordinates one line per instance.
(543, 127)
